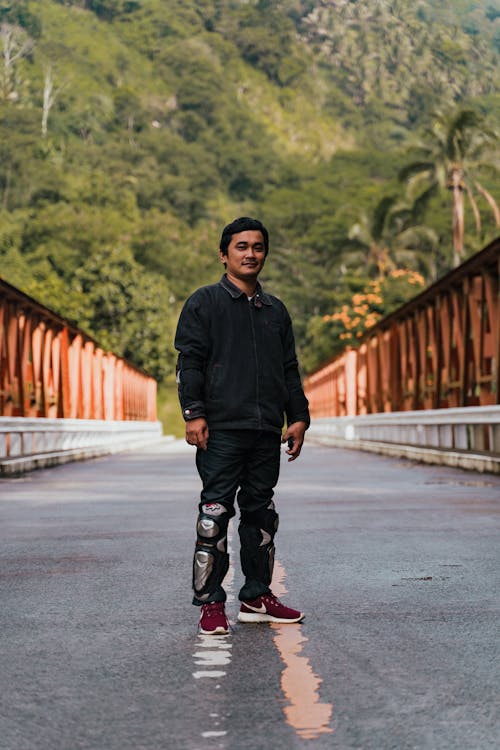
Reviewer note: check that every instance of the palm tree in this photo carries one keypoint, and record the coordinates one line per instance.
(453, 151)
(391, 237)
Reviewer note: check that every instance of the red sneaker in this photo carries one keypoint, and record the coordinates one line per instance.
(267, 608)
(213, 620)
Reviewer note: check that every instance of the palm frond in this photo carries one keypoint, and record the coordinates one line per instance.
(419, 237)
(491, 201)
(475, 209)
(380, 215)
(416, 167)
(458, 136)
(422, 201)
(354, 243)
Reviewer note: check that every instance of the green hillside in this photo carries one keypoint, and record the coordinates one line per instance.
(131, 131)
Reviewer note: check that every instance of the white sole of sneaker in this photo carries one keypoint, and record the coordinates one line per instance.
(217, 631)
(256, 617)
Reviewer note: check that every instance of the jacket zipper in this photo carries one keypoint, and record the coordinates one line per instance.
(254, 341)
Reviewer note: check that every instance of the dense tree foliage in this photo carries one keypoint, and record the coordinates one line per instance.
(131, 131)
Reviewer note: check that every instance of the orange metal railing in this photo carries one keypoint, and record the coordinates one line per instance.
(49, 368)
(439, 350)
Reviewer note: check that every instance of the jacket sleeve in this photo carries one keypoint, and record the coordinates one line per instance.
(191, 341)
(297, 405)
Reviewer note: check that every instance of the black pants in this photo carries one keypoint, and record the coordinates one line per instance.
(247, 462)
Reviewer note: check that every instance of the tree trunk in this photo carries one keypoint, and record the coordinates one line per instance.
(456, 186)
(48, 100)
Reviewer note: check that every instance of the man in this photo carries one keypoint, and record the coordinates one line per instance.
(237, 375)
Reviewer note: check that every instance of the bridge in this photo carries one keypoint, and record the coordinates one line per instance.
(393, 561)
(424, 382)
(62, 397)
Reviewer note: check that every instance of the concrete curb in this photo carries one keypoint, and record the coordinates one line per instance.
(10, 467)
(466, 460)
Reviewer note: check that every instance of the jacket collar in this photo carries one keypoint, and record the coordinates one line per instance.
(235, 292)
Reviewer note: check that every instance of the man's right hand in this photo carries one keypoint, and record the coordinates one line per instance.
(197, 432)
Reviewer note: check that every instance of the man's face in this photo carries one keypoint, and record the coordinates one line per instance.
(245, 255)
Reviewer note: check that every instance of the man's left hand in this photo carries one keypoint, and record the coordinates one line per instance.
(295, 432)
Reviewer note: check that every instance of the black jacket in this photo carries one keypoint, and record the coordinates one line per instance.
(237, 365)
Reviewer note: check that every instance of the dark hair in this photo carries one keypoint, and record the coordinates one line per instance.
(243, 224)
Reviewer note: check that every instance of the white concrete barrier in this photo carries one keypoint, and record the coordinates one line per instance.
(467, 437)
(27, 444)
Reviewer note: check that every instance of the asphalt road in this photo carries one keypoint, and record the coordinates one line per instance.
(395, 564)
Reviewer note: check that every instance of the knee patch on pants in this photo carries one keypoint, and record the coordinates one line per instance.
(211, 561)
(266, 520)
(257, 530)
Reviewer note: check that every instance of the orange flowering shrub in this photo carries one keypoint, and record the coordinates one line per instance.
(328, 335)
(378, 298)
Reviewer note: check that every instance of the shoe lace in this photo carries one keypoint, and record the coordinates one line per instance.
(214, 608)
(272, 598)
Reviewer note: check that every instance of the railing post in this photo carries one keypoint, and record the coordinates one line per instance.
(351, 383)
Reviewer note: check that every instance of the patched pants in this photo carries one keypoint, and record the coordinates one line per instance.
(241, 464)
